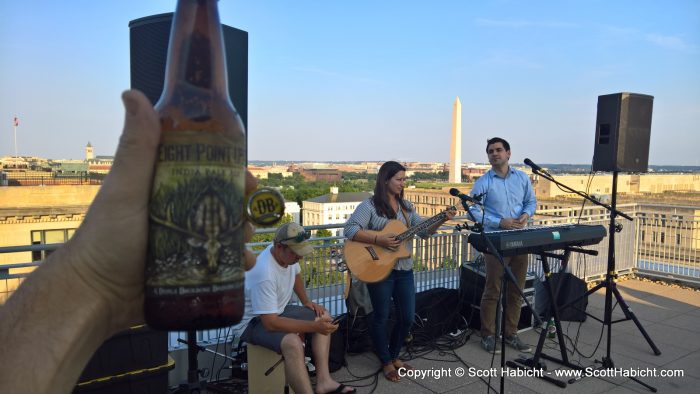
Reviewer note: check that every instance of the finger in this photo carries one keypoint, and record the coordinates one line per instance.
(249, 259)
(248, 232)
(251, 182)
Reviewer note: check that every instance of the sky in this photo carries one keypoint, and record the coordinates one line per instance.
(374, 80)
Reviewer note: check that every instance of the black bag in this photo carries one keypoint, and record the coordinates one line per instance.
(356, 327)
(356, 324)
(336, 352)
(570, 288)
(336, 355)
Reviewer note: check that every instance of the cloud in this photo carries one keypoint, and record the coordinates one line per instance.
(671, 42)
(521, 23)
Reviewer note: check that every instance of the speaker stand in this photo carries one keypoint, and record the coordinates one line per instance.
(611, 290)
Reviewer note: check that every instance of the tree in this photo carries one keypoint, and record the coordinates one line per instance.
(323, 233)
(268, 237)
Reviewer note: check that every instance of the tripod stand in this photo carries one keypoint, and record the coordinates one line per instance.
(610, 275)
(506, 277)
(194, 385)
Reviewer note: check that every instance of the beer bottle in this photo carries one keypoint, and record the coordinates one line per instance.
(551, 328)
(195, 266)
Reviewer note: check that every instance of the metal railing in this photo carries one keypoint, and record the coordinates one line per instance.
(664, 249)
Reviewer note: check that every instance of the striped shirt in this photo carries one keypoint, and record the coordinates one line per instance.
(366, 217)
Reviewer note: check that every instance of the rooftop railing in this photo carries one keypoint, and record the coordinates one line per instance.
(650, 246)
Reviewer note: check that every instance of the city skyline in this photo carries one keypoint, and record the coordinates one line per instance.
(374, 82)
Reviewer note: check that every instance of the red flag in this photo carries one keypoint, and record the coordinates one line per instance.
(16, 121)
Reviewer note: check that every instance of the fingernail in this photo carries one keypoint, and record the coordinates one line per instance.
(130, 105)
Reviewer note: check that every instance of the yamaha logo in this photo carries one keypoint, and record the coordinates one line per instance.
(514, 244)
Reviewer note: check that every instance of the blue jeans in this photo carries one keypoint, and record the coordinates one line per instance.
(399, 286)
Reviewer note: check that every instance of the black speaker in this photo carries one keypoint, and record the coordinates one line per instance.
(623, 128)
(149, 38)
(437, 313)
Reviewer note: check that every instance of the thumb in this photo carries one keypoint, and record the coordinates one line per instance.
(132, 172)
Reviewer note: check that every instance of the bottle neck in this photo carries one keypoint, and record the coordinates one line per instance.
(196, 55)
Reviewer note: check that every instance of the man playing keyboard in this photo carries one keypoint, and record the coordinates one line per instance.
(509, 201)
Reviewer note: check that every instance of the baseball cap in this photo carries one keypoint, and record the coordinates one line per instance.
(294, 236)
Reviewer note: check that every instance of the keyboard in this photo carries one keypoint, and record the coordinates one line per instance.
(537, 239)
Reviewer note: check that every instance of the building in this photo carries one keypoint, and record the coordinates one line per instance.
(432, 168)
(89, 152)
(33, 215)
(263, 172)
(325, 175)
(331, 208)
(472, 172)
(601, 184)
(100, 164)
(430, 202)
(293, 209)
(70, 168)
(26, 170)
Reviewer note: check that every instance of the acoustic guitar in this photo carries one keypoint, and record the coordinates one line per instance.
(372, 263)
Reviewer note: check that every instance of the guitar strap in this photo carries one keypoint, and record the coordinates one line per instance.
(408, 222)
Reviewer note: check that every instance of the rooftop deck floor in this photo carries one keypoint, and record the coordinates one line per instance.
(669, 314)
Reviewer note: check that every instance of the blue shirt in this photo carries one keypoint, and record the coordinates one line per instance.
(507, 197)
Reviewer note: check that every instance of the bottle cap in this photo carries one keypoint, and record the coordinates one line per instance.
(265, 206)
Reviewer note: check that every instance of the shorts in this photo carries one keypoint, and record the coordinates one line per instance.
(256, 333)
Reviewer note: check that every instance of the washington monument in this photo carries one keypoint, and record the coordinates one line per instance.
(456, 144)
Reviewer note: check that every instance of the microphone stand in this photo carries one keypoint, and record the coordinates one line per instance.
(193, 385)
(507, 275)
(610, 275)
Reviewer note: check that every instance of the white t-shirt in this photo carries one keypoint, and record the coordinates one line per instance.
(268, 286)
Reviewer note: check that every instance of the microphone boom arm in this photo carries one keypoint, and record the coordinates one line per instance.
(582, 194)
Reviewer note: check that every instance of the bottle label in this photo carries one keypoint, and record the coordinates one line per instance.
(196, 215)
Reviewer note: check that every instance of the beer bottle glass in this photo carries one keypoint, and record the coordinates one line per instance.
(195, 266)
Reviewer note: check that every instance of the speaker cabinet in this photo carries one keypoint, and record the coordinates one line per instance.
(149, 38)
(623, 128)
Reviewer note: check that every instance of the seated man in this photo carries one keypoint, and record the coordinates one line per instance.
(277, 325)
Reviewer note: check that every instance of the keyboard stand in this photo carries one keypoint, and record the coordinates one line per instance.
(553, 311)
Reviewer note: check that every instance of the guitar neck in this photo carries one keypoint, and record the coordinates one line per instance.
(424, 225)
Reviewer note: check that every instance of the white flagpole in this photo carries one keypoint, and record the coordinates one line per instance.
(14, 127)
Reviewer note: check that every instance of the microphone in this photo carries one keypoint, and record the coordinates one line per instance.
(465, 197)
(534, 166)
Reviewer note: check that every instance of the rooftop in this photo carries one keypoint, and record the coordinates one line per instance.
(341, 197)
(669, 314)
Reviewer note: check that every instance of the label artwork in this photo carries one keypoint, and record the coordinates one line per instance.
(196, 216)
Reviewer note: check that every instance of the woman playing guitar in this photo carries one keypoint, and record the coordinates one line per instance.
(364, 227)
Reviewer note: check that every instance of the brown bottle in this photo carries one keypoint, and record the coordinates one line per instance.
(195, 267)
